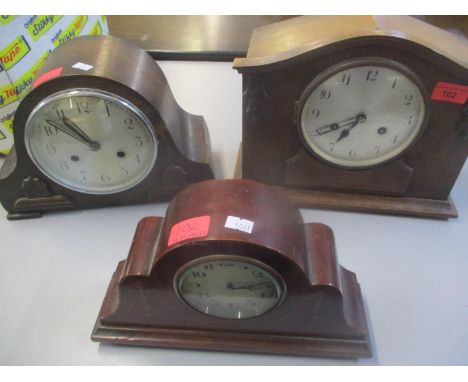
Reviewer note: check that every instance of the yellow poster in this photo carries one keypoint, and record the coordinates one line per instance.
(5, 19)
(22, 84)
(14, 52)
(72, 31)
(96, 30)
(25, 42)
(39, 25)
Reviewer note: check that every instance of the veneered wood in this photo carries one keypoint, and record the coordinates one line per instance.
(284, 40)
(118, 67)
(392, 205)
(284, 58)
(321, 313)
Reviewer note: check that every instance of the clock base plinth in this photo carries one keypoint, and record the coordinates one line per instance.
(230, 342)
(24, 215)
(391, 205)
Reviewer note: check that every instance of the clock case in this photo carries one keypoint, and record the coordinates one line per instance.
(284, 58)
(321, 313)
(184, 150)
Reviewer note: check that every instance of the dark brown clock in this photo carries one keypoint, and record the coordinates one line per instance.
(101, 128)
(233, 267)
(357, 113)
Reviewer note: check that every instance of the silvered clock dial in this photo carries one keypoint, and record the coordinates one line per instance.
(91, 141)
(362, 113)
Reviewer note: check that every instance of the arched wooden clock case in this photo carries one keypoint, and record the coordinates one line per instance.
(112, 66)
(318, 309)
(287, 60)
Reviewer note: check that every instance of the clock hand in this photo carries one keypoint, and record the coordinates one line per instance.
(65, 129)
(76, 129)
(361, 118)
(248, 286)
(334, 126)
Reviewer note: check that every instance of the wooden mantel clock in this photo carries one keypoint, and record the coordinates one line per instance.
(357, 113)
(100, 128)
(233, 267)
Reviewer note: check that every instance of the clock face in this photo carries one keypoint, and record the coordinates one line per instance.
(230, 287)
(362, 113)
(91, 141)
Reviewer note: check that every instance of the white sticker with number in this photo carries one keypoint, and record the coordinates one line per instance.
(239, 224)
(81, 66)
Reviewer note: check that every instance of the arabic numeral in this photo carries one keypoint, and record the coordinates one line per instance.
(63, 165)
(331, 146)
(409, 99)
(50, 130)
(84, 176)
(315, 113)
(345, 78)
(376, 150)
(83, 106)
(138, 141)
(409, 120)
(352, 154)
(449, 94)
(200, 274)
(51, 149)
(123, 171)
(372, 75)
(60, 113)
(105, 178)
(129, 123)
(325, 94)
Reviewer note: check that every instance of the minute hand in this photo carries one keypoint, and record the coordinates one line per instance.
(335, 126)
(66, 130)
(74, 127)
(361, 118)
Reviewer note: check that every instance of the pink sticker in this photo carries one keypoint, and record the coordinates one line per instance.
(189, 229)
(47, 76)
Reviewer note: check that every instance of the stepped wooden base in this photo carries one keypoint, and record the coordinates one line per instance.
(232, 342)
(425, 208)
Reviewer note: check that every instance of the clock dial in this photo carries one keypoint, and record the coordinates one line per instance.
(91, 141)
(363, 114)
(230, 288)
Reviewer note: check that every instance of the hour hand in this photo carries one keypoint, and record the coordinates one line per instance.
(334, 126)
(64, 129)
(361, 118)
(76, 129)
(247, 286)
(72, 133)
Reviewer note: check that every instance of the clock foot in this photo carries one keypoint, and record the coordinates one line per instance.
(24, 215)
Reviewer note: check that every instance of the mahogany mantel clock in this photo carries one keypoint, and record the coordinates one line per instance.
(357, 113)
(233, 267)
(100, 128)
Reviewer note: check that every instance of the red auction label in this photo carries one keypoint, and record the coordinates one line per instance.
(189, 229)
(448, 92)
(47, 76)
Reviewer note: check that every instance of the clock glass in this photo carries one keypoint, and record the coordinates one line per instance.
(91, 141)
(362, 113)
(230, 287)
